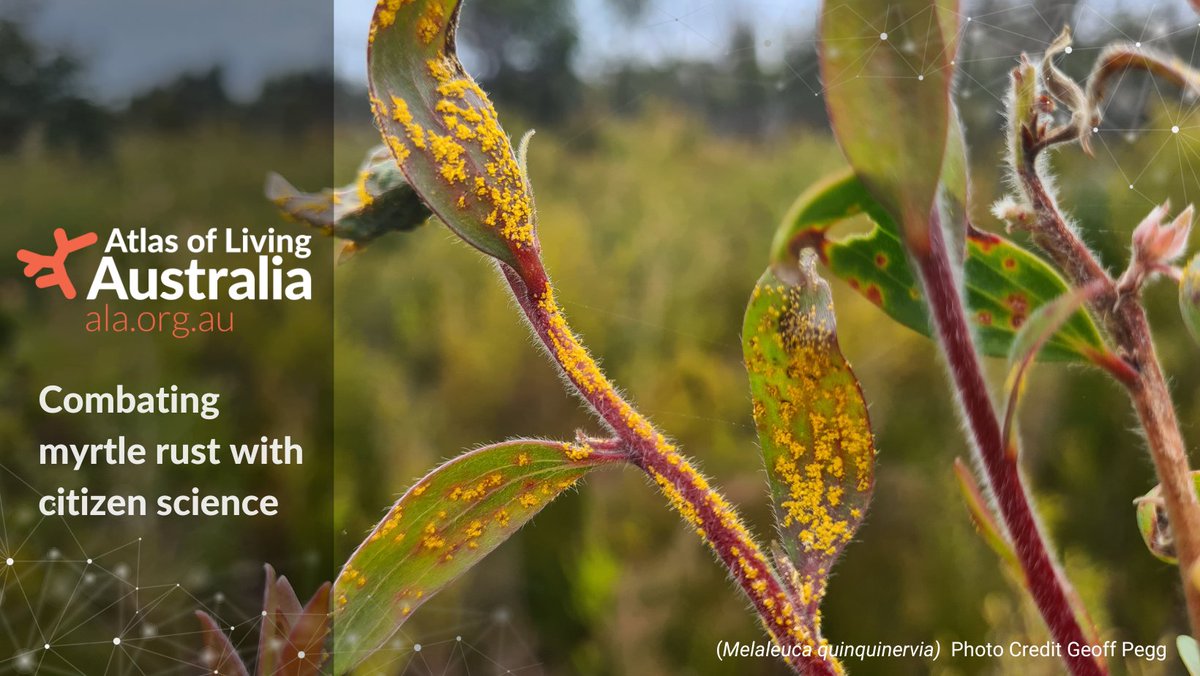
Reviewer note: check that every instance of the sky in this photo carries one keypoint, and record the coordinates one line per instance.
(129, 45)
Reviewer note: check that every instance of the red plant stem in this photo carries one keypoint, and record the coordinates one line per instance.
(705, 509)
(1048, 588)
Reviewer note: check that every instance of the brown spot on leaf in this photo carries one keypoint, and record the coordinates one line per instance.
(1019, 304)
(881, 260)
(984, 318)
(874, 294)
(1010, 263)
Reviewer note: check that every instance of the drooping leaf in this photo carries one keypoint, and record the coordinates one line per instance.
(886, 70)
(1154, 525)
(1189, 297)
(1044, 323)
(1004, 283)
(812, 421)
(379, 201)
(219, 654)
(442, 526)
(442, 129)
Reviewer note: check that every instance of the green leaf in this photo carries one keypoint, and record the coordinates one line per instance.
(886, 70)
(1189, 653)
(379, 201)
(443, 130)
(1004, 283)
(1153, 523)
(1189, 297)
(812, 421)
(442, 526)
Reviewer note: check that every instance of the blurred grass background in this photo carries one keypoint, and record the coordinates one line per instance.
(657, 200)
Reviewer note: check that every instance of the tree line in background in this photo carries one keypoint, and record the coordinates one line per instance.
(527, 58)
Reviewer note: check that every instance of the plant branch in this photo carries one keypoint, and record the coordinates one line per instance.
(702, 506)
(1129, 329)
(1048, 587)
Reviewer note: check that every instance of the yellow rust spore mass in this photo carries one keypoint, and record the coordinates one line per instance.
(812, 422)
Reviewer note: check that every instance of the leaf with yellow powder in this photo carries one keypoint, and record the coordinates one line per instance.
(812, 422)
(445, 524)
(443, 130)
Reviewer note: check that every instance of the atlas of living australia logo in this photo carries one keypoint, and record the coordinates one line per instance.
(52, 267)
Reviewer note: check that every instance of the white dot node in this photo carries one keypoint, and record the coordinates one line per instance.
(46, 646)
(264, 613)
(458, 638)
(117, 640)
(300, 655)
(1137, 44)
(417, 647)
(1069, 49)
(1131, 186)
(9, 561)
(1095, 129)
(883, 36)
(89, 562)
(1175, 129)
(921, 78)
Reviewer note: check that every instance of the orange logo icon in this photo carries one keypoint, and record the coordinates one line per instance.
(56, 263)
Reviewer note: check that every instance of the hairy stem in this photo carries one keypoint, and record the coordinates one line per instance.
(1048, 587)
(1126, 323)
(702, 506)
